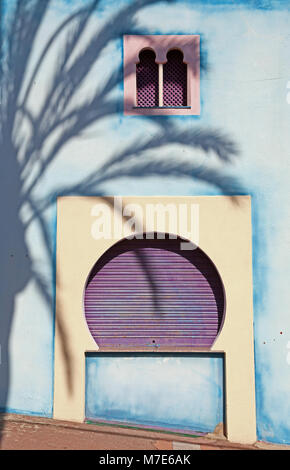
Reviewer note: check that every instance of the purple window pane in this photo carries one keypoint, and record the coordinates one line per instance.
(175, 80)
(147, 79)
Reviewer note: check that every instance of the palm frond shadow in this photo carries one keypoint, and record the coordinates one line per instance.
(24, 163)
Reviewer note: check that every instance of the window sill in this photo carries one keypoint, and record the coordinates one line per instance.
(161, 107)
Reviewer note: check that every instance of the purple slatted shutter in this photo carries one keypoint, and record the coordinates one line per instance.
(147, 79)
(175, 80)
(148, 293)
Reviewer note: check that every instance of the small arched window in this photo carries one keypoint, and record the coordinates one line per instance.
(147, 79)
(161, 75)
(175, 80)
(161, 85)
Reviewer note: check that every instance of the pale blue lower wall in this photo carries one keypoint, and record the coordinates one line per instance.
(176, 392)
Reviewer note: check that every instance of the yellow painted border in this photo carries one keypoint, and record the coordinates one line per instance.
(224, 235)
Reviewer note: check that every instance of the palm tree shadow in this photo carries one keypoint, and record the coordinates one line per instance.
(24, 163)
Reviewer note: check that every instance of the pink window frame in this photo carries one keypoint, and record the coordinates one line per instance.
(161, 44)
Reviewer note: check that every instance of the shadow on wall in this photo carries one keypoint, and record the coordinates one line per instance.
(25, 156)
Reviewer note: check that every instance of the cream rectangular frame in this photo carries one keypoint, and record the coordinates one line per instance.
(224, 235)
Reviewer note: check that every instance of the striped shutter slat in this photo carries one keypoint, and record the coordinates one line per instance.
(152, 296)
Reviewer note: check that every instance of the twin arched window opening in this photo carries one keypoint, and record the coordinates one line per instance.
(161, 85)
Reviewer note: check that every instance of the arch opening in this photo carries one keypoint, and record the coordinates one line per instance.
(149, 292)
(175, 79)
(147, 79)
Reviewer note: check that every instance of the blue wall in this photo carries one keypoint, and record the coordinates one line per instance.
(181, 392)
(245, 56)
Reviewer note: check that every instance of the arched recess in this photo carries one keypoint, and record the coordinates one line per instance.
(147, 79)
(149, 292)
(175, 79)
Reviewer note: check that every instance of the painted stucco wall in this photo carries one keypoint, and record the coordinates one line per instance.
(245, 70)
(179, 393)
